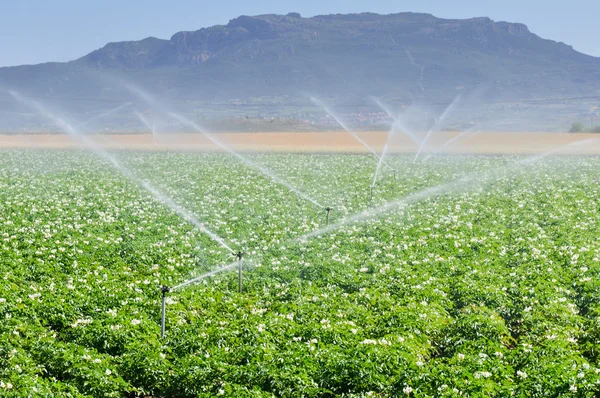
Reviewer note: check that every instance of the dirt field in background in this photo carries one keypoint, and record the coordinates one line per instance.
(341, 142)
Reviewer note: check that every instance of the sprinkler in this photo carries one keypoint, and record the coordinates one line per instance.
(164, 290)
(327, 211)
(239, 256)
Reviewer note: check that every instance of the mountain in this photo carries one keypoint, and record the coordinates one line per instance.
(279, 60)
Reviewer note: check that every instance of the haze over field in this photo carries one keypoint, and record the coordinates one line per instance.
(235, 76)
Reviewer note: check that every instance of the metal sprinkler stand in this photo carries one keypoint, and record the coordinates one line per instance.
(164, 290)
(327, 211)
(239, 256)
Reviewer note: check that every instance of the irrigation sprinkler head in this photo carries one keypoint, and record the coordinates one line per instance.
(165, 290)
(239, 255)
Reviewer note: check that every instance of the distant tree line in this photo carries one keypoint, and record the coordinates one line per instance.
(580, 128)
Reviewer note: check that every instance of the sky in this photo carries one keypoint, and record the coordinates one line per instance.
(35, 31)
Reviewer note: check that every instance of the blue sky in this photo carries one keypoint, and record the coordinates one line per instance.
(34, 31)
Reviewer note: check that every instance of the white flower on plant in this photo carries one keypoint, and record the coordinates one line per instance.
(108, 372)
(407, 390)
(485, 375)
(369, 341)
(573, 388)
(461, 356)
(6, 386)
(135, 322)
(522, 375)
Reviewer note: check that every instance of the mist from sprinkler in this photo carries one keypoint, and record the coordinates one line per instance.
(149, 126)
(150, 100)
(339, 121)
(461, 183)
(397, 123)
(437, 126)
(103, 115)
(199, 278)
(465, 134)
(86, 142)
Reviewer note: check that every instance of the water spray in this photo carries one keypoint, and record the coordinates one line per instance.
(86, 142)
(102, 115)
(397, 124)
(339, 121)
(164, 290)
(465, 134)
(437, 125)
(227, 148)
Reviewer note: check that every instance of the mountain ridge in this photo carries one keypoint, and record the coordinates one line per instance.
(272, 60)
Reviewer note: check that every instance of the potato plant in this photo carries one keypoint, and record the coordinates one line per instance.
(486, 287)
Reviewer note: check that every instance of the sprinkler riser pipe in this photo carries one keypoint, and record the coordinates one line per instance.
(164, 290)
(240, 280)
(163, 316)
(240, 277)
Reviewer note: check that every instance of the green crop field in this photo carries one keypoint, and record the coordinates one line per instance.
(463, 276)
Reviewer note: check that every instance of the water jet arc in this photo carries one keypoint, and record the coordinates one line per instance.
(339, 121)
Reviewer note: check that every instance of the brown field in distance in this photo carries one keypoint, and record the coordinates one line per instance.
(339, 142)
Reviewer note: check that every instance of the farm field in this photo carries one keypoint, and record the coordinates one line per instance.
(462, 276)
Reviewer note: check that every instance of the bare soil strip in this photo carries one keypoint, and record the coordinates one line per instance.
(336, 142)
